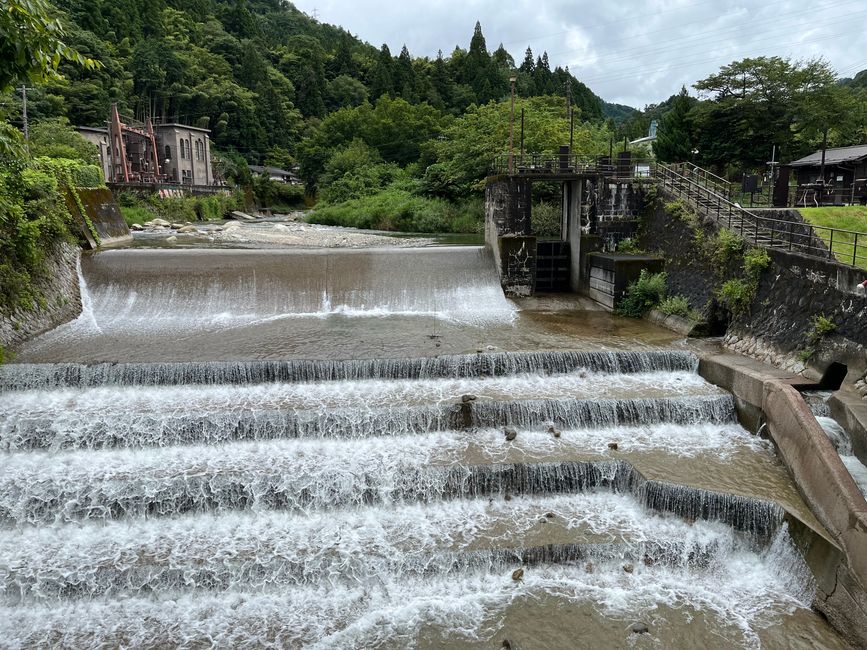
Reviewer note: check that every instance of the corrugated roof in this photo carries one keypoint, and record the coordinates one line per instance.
(833, 156)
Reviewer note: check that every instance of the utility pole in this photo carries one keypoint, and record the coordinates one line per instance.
(24, 112)
(568, 96)
(512, 80)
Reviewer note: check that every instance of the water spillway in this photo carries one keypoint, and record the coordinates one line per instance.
(254, 309)
(378, 504)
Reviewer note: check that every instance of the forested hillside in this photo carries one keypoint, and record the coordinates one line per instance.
(259, 73)
(391, 140)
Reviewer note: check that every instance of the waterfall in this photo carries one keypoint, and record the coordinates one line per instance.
(34, 376)
(364, 503)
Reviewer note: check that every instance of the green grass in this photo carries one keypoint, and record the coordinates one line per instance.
(136, 214)
(846, 218)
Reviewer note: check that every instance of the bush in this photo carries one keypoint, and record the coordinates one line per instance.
(629, 246)
(33, 219)
(545, 218)
(678, 209)
(822, 327)
(643, 295)
(756, 260)
(736, 294)
(727, 247)
(678, 306)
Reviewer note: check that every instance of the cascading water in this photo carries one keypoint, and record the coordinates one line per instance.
(432, 492)
(818, 403)
(378, 504)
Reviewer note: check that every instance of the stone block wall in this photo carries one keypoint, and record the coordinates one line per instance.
(61, 299)
(792, 292)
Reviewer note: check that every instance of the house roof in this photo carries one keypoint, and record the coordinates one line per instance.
(258, 169)
(837, 156)
(92, 129)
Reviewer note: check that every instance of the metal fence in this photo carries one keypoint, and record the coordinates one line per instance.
(846, 246)
(564, 164)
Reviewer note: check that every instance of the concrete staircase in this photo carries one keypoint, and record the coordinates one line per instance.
(707, 195)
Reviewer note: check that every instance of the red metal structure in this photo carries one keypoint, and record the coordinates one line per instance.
(133, 151)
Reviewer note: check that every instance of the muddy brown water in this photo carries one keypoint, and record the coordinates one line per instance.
(158, 514)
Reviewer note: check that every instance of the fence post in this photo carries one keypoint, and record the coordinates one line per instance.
(855, 250)
(831, 245)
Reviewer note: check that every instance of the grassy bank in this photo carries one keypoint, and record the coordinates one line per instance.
(139, 209)
(852, 218)
(402, 211)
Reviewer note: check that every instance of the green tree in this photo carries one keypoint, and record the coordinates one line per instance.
(382, 76)
(674, 141)
(32, 45)
(55, 138)
(344, 92)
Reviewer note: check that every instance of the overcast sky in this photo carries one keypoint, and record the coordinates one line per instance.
(627, 52)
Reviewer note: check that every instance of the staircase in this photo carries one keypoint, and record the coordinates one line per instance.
(709, 195)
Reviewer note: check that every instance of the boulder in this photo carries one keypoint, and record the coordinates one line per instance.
(231, 224)
(468, 398)
(171, 239)
(158, 222)
(177, 226)
(136, 226)
(188, 228)
(511, 433)
(612, 446)
(518, 574)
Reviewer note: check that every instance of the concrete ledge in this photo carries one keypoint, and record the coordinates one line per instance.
(679, 324)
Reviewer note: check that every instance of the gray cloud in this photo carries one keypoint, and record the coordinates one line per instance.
(626, 52)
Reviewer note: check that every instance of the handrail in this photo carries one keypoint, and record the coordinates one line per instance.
(767, 231)
(532, 164)
(710, 179)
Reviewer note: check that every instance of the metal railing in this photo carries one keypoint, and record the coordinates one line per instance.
(705, 179)
(821, 242)
(558, 164)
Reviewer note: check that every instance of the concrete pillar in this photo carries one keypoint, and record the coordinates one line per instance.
(573, 232)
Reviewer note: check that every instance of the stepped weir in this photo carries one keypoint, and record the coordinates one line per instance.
(550, 496)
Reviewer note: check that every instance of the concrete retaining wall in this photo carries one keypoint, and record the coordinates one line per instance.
(61, 299)
(820, 476)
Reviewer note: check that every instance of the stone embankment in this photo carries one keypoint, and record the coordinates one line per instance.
(60, 299)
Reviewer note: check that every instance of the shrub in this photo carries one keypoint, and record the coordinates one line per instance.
(398, 209)
(736, 294)
(727, 247)
(628, 245)
(678, 209)
(678, 306)
(756, 260)
(643, 295)
(545, 219)
(822, 326)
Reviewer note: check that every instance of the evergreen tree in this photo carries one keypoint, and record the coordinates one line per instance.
(673, 139)
(404, 77)
(529, 65)
(382, 77)
(342, 63)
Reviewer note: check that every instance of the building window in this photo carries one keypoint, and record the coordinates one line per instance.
(168, 153)
(183, 150)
